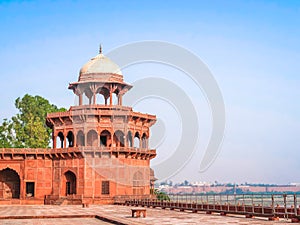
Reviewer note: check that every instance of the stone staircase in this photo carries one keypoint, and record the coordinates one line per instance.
(67, 201)
(60, 201)
(15, 201)
(63, 200)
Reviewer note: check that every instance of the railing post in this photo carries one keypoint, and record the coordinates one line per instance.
(273, 208)
(285, 209)
(295, 205)
(244, 207)
(252, 200)
(207, 203)
(235, 202)
(262, 204)
(214, 203)
(220, 202)
(227, 203)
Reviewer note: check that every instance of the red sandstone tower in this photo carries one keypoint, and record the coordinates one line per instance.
(105, 145)
(100, 148)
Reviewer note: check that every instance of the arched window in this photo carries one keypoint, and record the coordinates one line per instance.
(129, 139)
(144, 141)
(92, 138)
(60, 140)
(115, 98)
(119, 139)
(70, 138)
(103, 95)
(80, 139)
(100, 100)
(9, 184)
(138, 183)
(136, 140)
(87, 97)
(105, 138)
(70, 183)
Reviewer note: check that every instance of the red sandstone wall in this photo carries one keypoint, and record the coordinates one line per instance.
(120, 172)
(126, 176)
(39, 171)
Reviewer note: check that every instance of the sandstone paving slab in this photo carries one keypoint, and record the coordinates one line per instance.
(57, 221)
(119, 213)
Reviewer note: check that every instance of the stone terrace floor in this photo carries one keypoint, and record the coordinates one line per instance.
(79, 215)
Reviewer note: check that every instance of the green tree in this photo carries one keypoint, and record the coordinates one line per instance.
(6, 134)
(27, 129)
(160, 195)
(186, 183)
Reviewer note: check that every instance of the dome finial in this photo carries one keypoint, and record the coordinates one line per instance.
(100, 49)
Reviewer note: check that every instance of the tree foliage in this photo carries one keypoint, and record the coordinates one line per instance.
(160, 195)
(6, 134)
(27, 129)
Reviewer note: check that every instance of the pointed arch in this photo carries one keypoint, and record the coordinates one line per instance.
(105, 138)
(92, 138)
(9, 184)
(104, 95)
(70, 138)
(60, 140)
(129, 139)
(138, 183)
(87, 96)
(70, 183)
(136, 142)
(80, 140)
(119, 140)
(144, 140)
(114, 98)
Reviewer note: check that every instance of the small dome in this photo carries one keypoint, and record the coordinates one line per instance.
(98, 65)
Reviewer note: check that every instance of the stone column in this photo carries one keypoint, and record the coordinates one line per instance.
(147, 143)
(141, 142)
(65, 141)
(53, 140)
(79, 93)
(74, 140)
(125, 138)
(110, 96)
(120, 97)
(93, 89)
(80, 99)
(94, 98)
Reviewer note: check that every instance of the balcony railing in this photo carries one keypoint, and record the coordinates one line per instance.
(74, 149)
(99, 110)
(261, 205)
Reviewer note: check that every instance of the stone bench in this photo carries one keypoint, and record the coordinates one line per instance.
(138, 212)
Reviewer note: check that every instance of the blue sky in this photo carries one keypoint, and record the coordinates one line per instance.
(251, 47)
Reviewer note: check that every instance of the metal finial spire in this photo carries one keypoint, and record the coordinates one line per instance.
(100, 49)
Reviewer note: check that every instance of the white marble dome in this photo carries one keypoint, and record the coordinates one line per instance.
(98, 66)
